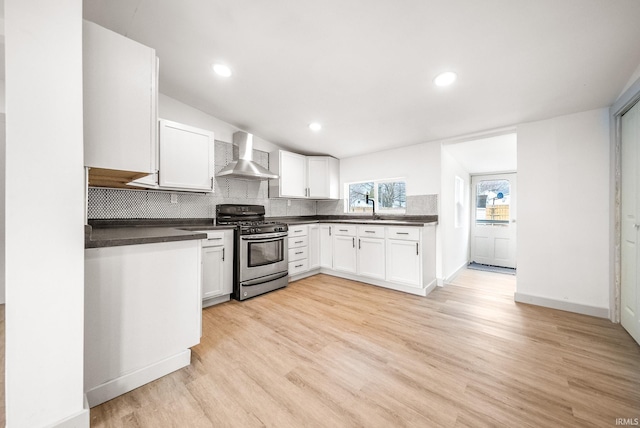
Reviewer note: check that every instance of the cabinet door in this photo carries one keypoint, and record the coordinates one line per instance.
(344, 253)
(213, 259)
(120, 97)
(403, 262)
(227, 263)
(371, 257)
(326, 246)
(186, 157)
(314, 246)
(293, 175)
(323, 177)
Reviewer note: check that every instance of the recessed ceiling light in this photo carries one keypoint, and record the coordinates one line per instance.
(315, 126)
(445, 79)
(222, 70)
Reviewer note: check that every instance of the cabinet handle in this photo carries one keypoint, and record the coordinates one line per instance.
(359, 247)
(343, 230)
(417, 249)
(223, 254)
(211, 183)
(298, 242)
(329, 230)
(299, 252)
(370, 231)
(402, 233)
(354, 242)
(298, 266)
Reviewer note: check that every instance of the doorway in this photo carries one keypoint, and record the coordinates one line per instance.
(493, 220)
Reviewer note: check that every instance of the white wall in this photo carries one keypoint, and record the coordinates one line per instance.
(172, 109)
(44, 214)
(563, 223)
(2, 206)
(455, 240)
(418, 164)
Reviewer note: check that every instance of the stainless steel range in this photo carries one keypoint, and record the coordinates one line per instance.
(260, 253)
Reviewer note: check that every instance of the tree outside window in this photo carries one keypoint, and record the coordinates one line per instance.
(390, 196)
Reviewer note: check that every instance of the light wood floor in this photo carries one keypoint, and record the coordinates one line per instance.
(328, 352)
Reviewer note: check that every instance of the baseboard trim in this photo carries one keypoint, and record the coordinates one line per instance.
(390, 285)
(563, 305)
(455, 273)
(79, 420)
(135, 379)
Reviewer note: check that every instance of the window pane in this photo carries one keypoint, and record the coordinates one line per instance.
(392, 196)
(357, 192)
(492, 202)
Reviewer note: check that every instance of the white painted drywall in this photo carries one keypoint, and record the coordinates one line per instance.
(3, 149)
(44, 214)
(563, 204)
(455, 240)
(172, 109)
(418, 164)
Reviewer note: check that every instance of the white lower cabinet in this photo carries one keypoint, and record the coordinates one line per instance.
(401, 258)
(326, 245)
(298, 244)
(403, 262)
(344, 249)
(314, 246)
(371, 251)
(217, 267)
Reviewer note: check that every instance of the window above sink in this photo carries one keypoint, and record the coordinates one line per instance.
(389, 195)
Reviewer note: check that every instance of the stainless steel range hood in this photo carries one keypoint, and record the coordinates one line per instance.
(244, 167)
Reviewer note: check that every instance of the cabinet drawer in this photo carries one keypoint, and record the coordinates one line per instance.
(299, 230)
(344, 230)
(297, 253)
(298, 241)
(403, 233)
(298, 266)
(366, 231)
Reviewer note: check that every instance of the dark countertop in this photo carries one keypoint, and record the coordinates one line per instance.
(113, 233)
(418, 221)
(117, 232)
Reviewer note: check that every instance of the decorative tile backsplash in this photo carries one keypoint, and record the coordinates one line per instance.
(416, 205)
(106, 203)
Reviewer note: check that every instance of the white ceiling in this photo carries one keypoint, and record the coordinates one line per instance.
(486, 155)
(364, 68)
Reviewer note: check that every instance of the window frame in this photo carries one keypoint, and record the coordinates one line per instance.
(379, 209)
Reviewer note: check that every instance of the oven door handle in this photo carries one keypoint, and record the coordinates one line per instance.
(264, 279)
(263, 237)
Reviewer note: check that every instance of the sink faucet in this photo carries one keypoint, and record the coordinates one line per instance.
(367, 200)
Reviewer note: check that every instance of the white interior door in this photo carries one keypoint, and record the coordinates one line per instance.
(630, 221)
(493, 225)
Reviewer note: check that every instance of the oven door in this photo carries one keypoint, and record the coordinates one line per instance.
(263, 255)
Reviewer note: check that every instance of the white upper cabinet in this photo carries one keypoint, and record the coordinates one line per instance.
(120, 103)
(311, 177)
(292, 169)
(186, 157)
(323, 177)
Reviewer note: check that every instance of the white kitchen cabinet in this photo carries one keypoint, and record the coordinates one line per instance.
(403, 262)
(323, 177)
(310, 177)
(344, 249)
(217, 267)
(292, 169)
(314, 246)
(298, 244)
(326, 245)
(186, 157)
(142, 314)
(371, 252)
(120, 107)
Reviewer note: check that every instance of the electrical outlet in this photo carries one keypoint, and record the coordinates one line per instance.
(174, 198)
(288, 202)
